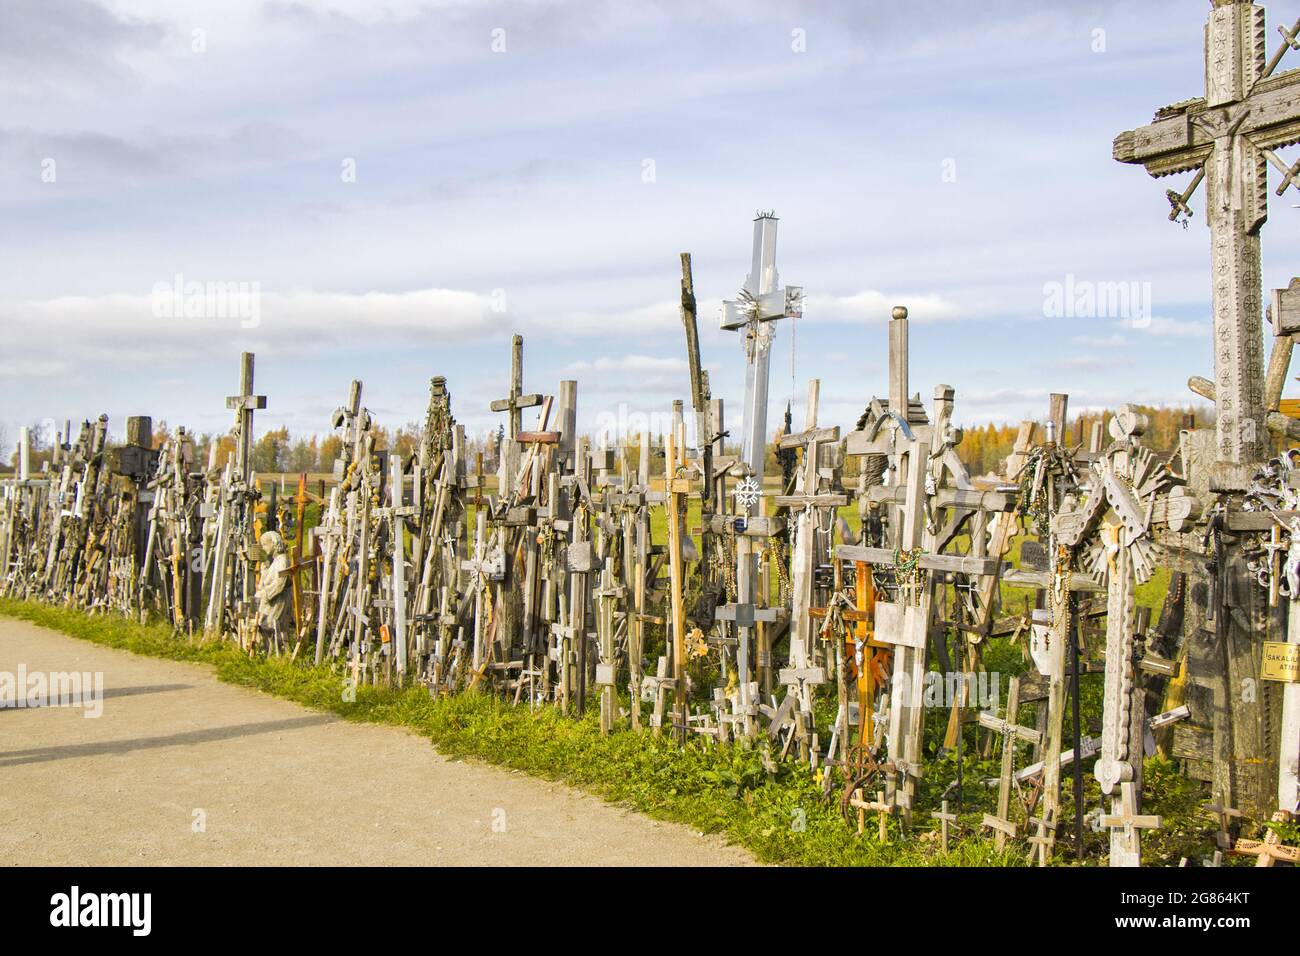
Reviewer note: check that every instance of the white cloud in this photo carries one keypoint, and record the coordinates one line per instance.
(1166, 328)
(871, 305)
(124, 327)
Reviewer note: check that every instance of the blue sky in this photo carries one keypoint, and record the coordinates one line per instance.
(954, 157)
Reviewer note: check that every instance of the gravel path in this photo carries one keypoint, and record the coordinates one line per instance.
(183, 769)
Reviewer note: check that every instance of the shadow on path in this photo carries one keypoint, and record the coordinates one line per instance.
(109, 692)
(15, 758)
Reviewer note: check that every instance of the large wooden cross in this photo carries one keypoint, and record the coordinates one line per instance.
(244, 404)
(1229, 136)
(516, 401)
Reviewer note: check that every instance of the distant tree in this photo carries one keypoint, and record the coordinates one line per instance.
(303, 456)
(331, 447)
(270, 453)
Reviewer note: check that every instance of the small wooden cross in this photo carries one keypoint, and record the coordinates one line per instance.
(1129, 820)
(1001, 824)
(1042, 841)
(945, 819)
(1270, 849)
(881, 806)
(1225, 815)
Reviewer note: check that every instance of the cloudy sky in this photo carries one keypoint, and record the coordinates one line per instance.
(401, 184)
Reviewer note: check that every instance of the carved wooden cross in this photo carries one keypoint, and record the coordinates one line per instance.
(1229, 136)
(1269, 850)
(806, 506)
(1131, 490)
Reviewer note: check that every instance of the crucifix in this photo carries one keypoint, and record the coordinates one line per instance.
(514, 404)
(397, 513)
(762, 302)
(1229, 136)
(1130, 490)
(244, 404)
(484, 567)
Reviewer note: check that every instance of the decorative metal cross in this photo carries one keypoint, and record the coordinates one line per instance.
(762, 301)
(1229, 136)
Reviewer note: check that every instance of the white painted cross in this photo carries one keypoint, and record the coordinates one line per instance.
(762, 301)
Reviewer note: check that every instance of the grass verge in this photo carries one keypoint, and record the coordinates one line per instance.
(782, 818)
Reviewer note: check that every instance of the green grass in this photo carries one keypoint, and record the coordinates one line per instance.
(782, 818)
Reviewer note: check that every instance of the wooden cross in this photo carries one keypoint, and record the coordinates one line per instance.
(1124, 818)
(806, 505)
(676, 490)
(483, 567)
(945, 819)
(244, 404)
(398, 512)
(1011, 732)
(607, 596)
(516, 401)
(1269, 850)
(1229, 136)
(882, 807)
(1225, 815)
(1130, 491)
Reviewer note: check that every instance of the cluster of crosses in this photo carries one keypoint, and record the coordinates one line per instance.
(662, 580)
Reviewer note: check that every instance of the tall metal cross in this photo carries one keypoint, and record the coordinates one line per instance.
(1229, 136)
(762, 301)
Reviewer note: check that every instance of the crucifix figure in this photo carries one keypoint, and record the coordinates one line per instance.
(1228, 136)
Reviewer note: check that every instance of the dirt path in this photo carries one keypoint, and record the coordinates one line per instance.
(274, 783)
